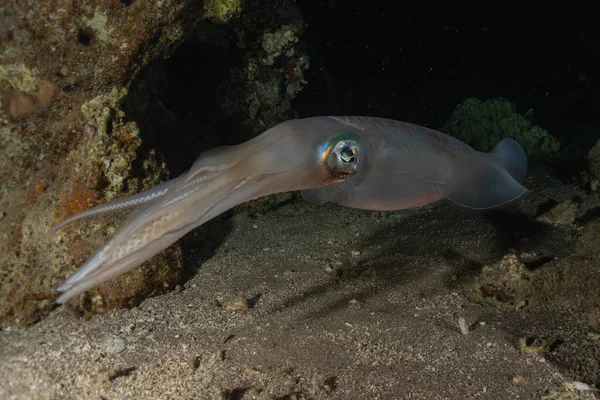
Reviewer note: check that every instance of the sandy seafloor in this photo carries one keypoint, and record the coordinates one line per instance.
(338, 303)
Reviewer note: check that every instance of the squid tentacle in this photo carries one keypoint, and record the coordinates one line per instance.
(278, 160)
(119, 204)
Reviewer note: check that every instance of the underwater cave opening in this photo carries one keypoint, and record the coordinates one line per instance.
(179, 103)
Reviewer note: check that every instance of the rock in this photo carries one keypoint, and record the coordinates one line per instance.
(594, 320)
(114, 345)
(562, 214)
(503, 283)
(594, 166)
(354, 304)
(239, 305)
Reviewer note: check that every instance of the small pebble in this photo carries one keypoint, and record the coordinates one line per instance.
(462, 324)
(355, 253)
(354, 304)
(251, 371)
(594, 320)
(529, 256)
(580, 386)
(289, 274)
(193, 362)
(594, 336)
(239, 304)
(114, 345)
(521, 304)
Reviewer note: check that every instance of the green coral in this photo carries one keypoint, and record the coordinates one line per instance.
(101, 107)
(483, 124)
(222, 10)
(279, 42)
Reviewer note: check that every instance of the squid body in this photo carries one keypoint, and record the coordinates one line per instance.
(359, 162)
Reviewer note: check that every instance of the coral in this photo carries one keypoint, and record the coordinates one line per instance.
(279, 42)
(120, 141)
(482, 124)
(503, 283)
(276, 75)
(222, 10)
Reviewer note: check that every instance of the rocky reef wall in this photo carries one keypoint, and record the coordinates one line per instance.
(105, 98)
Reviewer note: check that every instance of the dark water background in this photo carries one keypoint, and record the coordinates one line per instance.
(416, 60)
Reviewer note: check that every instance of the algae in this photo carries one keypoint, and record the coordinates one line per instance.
(98, 23)
(222, 10)
(483, 124)
(279, 42)
(19, 77)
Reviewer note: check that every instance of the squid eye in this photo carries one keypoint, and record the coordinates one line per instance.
(347, 155)
(342, 156)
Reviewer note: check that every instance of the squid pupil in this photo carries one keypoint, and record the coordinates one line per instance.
(347, 155)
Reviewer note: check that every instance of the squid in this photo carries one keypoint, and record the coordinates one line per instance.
(359, 162)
